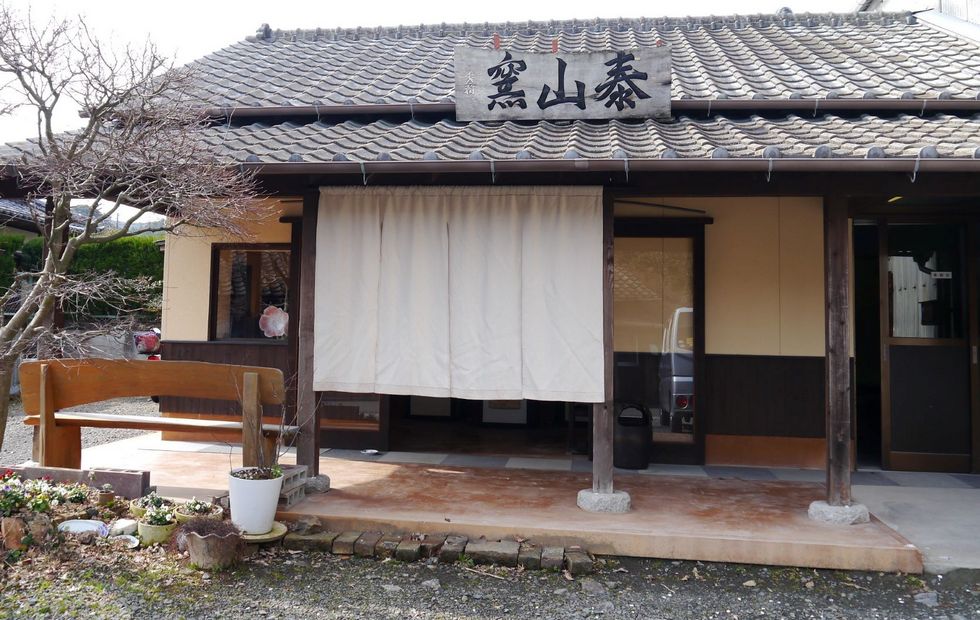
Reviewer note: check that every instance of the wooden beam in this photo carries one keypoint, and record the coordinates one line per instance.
(602, 413)
(308, 442)
(838, 369)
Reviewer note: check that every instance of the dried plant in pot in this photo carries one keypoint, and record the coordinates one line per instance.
(254, 495)
(198, 508)
(212, 544)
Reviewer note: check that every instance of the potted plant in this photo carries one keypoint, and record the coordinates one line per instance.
(106, 494)
(197, 508)
(254, 495)
(212, 544)
(156, 525)
(151, 500)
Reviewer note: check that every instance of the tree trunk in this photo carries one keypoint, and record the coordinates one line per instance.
(6, 378)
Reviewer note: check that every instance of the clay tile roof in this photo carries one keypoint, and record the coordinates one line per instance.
(786, 55)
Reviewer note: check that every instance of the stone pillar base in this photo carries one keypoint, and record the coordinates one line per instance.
(838, 515)
(591, 501)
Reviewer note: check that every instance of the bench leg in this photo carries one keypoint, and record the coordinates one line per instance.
(270, 445)
(63, 447)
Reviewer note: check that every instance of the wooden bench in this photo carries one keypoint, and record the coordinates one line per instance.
(48, 386)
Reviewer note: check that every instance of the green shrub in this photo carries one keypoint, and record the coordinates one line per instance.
(130, 257)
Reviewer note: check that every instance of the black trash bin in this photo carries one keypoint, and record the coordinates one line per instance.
(632, 437)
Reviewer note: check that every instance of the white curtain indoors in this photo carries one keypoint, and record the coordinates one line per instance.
(469, 292)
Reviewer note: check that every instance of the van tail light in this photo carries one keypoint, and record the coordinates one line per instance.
(682, 402)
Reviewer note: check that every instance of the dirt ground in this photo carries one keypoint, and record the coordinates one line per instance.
(93, 582)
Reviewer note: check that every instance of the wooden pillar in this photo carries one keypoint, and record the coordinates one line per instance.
(308, 442)
(602, 413)
(838, 366)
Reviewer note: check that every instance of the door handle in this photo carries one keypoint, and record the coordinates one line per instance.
(974, 348)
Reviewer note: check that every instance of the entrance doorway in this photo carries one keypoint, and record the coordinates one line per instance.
(913, 302)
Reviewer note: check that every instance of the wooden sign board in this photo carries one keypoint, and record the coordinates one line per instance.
(514, 85)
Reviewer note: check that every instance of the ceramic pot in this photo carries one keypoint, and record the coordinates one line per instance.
(184, 517)
(213, 552)
(253, 503)
(105, 497)
(154, 534)
(136, 511)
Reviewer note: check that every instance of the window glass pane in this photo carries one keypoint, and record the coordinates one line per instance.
(653, 331)
(252, 292)
(925, 281)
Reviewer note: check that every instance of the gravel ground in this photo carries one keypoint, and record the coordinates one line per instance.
(281, 584)
(17, 441)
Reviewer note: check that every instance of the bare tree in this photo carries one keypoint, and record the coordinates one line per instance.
(141, 145)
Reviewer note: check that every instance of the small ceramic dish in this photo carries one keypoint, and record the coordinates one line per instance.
(125, 541)
(80, 526)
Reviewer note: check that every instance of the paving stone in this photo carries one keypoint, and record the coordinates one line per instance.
(454, 547)
(364, 547)
(320, 541)
(529, 557)
(387, 545)
(502, 552)
(344, 543)
(553, 558)
(577, 561)
(408, 550)
(430, 546)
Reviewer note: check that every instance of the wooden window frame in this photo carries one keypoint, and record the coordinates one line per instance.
(291, 283)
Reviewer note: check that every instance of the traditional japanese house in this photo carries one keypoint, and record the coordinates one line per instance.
(759, 231)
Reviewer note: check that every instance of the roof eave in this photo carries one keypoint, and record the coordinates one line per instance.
(904, 164)
(811, 105)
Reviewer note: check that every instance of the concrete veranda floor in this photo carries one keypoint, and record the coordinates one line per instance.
(673, 517)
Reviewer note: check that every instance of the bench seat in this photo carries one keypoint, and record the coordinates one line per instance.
(155, 423)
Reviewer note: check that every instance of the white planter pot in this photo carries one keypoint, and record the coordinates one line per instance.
(253, 503)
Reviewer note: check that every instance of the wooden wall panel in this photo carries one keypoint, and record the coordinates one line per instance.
(763, 395)
(246, 353)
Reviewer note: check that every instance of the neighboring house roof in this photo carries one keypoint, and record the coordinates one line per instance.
(878, 55)
(20, 214)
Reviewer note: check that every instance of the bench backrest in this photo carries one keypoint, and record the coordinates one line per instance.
(83, 381)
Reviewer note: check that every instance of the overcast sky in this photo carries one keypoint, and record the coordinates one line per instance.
(189, 29)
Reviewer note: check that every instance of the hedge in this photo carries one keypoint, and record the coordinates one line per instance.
(129, 257)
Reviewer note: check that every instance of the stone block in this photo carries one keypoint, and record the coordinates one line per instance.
(344, 543)
(578, 561)
(320, 541)
(123, 526)
(408, 550)
(502, 552)
(387, 545)
(306, 524)
(129, 483)
(430, 545)
(13, 530)
(592, 501)
(454, 547)
(529, 557)
(838, 515)
(364, 547)
(553, 558)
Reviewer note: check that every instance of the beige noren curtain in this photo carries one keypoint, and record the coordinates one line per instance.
(469, 292)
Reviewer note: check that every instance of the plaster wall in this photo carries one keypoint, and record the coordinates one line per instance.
(763, 272)
(187, 270)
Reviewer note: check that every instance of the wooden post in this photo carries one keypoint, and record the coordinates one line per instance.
(46, 425)
(838, 365)
(252, 444)
(56, 446)
(308, 442)
(602, 413)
